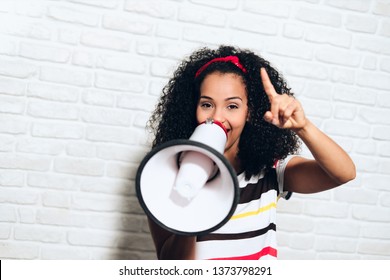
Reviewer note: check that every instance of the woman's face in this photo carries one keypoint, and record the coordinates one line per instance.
(223, 98)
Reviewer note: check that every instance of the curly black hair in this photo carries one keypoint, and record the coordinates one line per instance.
(261, 143)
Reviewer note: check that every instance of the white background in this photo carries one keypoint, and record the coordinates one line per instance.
(79, 78)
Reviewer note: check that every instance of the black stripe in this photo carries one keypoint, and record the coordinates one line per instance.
(254, 191)
(234, 236)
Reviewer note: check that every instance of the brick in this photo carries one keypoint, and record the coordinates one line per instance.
(5, 231)
(27, 215)
(317, 108)
(126, 154)
(40, 234)
(60, 217)
(121, 63)
(106, 185)
(355, 95)
(69, 35)
(57, 199)
(165, 30)
(385, 200)
(86, 238)
(279, 10)
(384, 149)
(374, 116)
(133, 102)
(108, 221)
(50, 110)
(305, 242)
(132, 24)
(44, 53)
(99, 97)
(361, 23)
(25, 162)
(159, 68)
(202, 16)
(385, 64)
(345, 112)
(66, 76)
(74, 16)
(254, 24)
(374, 247)
(8, 48)
(123, 171)
(64, 252)
(98, 3)
(373, 80)
(226, 5)
(119, 82)
(376, 182)
(369, 63)
(357, 5)
(15, 196)
(337, 245)
(373, 231)
(384, 166)
(383, 100)
(136, 242)
(347, 128)
(366, 163)
(112, 134)
(12, 86)
(381, 7)
(84, 59)
(18, 251)
(81, 150)
(153, 8)
(52, 181)
(141, 120)
(319, 16)
(353, 196)
(366, 147)
(339, 57)
(17, 69)
(326, 209)
(381, 133)
(57, 130)
(105, 40)
(12, 104)
(329, 36)
(308, 70)
(7, 214)
(374, 45)
(87, 167)
(61, 93)
(114, 117)
(370, 214)
(293, 31)
(291, 49)
(10, 178)
(204, 35)
(295, 224)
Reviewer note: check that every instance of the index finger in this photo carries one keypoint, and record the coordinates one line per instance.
(268, 86)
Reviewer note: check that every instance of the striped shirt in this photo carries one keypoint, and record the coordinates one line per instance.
(250, 234)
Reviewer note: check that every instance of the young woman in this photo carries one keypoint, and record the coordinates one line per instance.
(265, 124)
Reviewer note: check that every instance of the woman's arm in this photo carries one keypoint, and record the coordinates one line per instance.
(331, 166)
(171, 246)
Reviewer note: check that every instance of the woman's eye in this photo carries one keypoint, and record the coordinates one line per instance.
(205, 105)
(232, 106)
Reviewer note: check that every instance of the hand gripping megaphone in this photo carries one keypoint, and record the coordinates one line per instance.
(187, 186)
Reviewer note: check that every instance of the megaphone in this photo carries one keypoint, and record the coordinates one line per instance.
(187, 186)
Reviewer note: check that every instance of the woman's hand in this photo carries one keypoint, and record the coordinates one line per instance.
(286, 111)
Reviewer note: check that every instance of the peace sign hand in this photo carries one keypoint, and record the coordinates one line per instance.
(286, 111)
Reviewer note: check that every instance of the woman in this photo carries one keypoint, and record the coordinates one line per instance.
(265, 124)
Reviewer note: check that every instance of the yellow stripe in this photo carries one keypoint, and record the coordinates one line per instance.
(252, 213)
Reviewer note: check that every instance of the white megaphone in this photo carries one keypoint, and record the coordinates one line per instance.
(187, 186)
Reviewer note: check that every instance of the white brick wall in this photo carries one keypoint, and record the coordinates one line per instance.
(79, 78)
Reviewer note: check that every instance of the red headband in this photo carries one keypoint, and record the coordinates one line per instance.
(231, 58)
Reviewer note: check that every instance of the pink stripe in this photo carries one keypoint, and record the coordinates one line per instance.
(265, 251)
